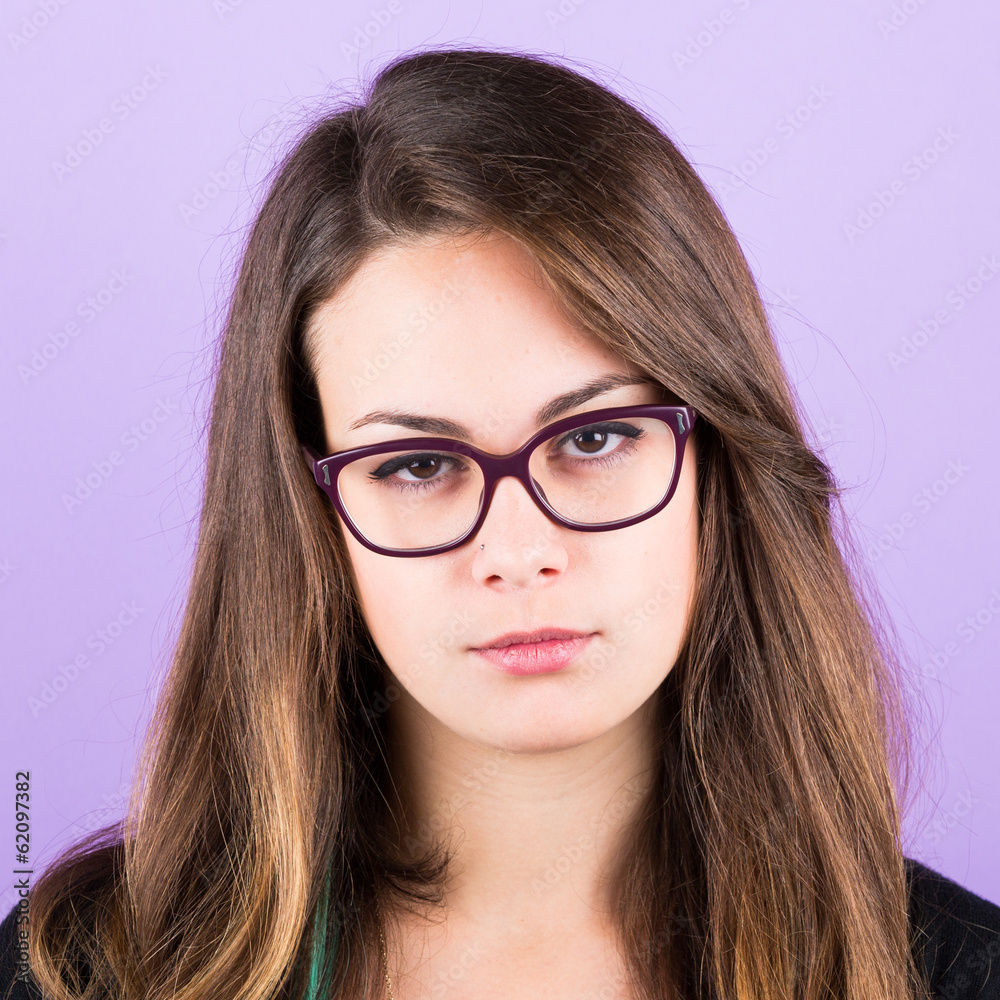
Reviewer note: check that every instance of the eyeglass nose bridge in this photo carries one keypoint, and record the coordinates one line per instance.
(514, 466)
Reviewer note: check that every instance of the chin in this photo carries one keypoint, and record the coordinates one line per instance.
(527, 747)
(541, 739)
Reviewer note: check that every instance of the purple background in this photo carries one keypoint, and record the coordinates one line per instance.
(805, 120)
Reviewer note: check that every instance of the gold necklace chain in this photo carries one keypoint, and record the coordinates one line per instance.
(385, 960)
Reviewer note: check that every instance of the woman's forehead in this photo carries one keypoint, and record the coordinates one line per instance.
(473, 314)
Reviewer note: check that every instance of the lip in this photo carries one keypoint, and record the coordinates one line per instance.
(543, 651)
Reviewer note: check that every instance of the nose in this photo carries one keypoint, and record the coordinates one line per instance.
(515, 523)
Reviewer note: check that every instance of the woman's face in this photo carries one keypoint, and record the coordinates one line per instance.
(468, 332)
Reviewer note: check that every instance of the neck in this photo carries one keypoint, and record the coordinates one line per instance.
(537, 838)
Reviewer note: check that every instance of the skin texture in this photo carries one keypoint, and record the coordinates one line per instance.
(532, 780)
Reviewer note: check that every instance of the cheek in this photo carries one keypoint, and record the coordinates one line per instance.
(397, 601)
(654, 599)
(655, 579)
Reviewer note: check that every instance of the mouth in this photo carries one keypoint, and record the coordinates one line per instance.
(543, 651)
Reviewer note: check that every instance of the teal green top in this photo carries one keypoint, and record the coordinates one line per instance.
(321, 963)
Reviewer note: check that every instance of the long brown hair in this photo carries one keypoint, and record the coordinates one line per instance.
(767, 863)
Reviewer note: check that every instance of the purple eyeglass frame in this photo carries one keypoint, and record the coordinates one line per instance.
(326, 471)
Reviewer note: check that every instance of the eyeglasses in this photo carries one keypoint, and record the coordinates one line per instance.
(595, 471)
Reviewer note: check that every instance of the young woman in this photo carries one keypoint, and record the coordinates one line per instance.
(526, 654)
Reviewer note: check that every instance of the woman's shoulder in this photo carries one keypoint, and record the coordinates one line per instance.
(92, 869)
(957, 933)
(15, 983)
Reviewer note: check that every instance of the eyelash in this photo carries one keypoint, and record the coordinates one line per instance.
(628, 432)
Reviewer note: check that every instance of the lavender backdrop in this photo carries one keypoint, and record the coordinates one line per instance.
(853, 147)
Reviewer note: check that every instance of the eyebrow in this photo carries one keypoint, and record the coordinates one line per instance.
(554, 408)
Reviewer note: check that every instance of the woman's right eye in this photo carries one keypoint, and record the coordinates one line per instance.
(414, 469)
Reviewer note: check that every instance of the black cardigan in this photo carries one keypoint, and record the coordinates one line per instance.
(958, 939)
